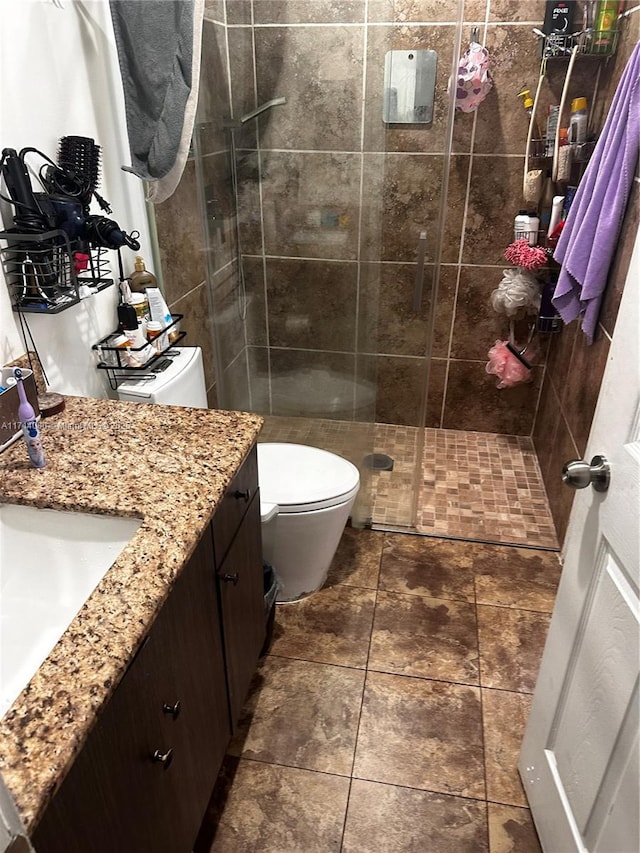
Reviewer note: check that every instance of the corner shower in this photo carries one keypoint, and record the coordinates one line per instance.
(296, 302)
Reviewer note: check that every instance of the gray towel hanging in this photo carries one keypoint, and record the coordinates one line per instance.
(155, 51)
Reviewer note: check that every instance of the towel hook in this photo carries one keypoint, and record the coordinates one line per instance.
(475, 35)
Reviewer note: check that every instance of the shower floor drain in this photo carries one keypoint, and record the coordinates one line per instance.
(378, 462)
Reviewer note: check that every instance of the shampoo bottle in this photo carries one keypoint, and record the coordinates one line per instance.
(578, 121)
(30, 431)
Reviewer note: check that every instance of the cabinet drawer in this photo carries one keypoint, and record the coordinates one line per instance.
(234, 505)
(142, 781)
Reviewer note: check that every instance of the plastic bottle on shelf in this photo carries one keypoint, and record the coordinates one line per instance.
(141, 277)
(525, 226)
(605, 24)
(552, 125)
(578, 121)
(534, 227)
(546, 203)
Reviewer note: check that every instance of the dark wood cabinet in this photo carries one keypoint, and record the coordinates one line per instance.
(242, 607)
(143, 779)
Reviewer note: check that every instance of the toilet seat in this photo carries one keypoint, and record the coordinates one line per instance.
(298, 478)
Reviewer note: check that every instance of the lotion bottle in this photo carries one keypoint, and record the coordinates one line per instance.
(141, 277)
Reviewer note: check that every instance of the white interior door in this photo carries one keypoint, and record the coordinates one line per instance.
(580, 757)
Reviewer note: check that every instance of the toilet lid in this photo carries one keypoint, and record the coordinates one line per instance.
(299, 478)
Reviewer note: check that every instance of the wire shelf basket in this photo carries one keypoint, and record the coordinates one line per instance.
(589, 43)
(44, 275)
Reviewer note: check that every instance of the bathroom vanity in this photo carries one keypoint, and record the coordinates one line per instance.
(117, 741)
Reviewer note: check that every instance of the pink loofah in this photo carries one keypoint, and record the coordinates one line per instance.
(506, 366)
(521, 254)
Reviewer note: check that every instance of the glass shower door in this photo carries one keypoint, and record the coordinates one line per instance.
(314, 210)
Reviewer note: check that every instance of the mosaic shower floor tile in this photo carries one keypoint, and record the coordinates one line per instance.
(469, 485)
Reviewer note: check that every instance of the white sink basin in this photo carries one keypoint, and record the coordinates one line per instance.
(50, 563)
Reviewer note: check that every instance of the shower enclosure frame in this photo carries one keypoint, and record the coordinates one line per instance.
(227, 392)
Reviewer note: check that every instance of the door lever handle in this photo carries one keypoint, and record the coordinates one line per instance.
(578, 474)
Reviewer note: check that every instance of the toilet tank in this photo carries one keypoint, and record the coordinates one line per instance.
(174, 380)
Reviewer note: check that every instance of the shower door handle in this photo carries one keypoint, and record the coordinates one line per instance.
(417, 291)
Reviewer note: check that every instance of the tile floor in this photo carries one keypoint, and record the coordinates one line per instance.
(471, 485)
(388, 713)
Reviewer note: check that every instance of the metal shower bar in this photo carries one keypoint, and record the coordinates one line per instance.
(275, 102)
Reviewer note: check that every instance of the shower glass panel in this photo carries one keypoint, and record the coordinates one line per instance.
(315, 212)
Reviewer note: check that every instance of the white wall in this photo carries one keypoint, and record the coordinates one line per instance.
(58, 77)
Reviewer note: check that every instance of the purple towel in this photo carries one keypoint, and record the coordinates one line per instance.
(590, 235)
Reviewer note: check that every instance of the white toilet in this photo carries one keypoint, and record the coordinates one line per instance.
(306, 494)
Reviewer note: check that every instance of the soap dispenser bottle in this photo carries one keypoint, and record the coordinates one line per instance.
(141, 277)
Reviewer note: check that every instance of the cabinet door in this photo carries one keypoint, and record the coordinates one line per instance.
(116, 796)
(242, 604)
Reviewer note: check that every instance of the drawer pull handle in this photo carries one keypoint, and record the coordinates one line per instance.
(164, 758)
(174, 709)
(234, 578)
(242, 496)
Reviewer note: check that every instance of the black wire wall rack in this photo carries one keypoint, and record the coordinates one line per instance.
(44, 274)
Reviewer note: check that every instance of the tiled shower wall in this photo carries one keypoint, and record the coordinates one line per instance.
(316, 281)
(574, 371)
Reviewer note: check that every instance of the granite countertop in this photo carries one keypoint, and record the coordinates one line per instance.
(169, 466)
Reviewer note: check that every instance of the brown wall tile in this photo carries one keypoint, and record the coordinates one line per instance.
(328, 396)
(243, 90)
(477, 326)
(303, 12)
(397, 328)
(580, 393)
(214, 10)
(495, 196)
(427, 138)
(401, 387)
(411, 200)
(233, 384)
(213, 92)
(560, 496)
(523, 10)
(546, 424)
(311, 203)
(249, 207)
(435, 396)
(503, 124)
(180, 238)
(256, 325)
(620, 266)
(219, 203)
(198, 325)
(238, 11)
(445, 301)
(320, 71)
(228, 327)
(474, 403)
(312, 304)
(559, 356)
(455, 208)
(258, 360)
(417, 11)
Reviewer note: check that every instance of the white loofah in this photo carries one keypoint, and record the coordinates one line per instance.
(517, 293)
